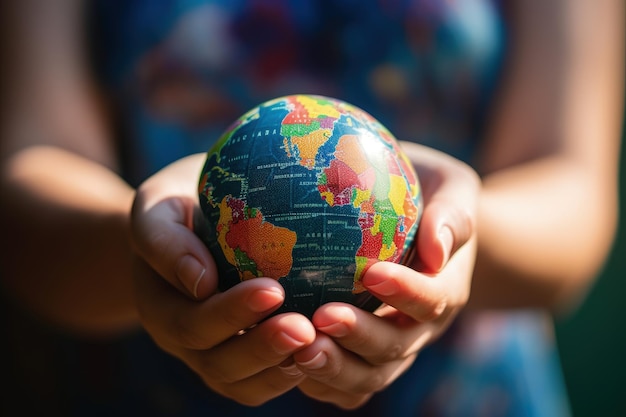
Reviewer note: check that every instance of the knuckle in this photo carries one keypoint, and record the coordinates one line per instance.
(230, 316)
(357, 340)
(147, 227)
(158, 243)
(326, 374)
(153, 244)
(391, 353)
(424, 308)
(231, 319)
(434, 311)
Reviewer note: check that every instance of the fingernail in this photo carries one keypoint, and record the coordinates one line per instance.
(384, 286)
(190, 272)
(289, 368)
(317, 362)
(447, 240)
(265, 299)
(286, 344)
(335, 330)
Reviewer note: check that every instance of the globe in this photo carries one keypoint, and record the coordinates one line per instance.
(311, 191)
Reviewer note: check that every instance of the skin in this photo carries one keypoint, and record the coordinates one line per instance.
(332, 357)
(530, 228)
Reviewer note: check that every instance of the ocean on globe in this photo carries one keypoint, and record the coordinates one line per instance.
(310, 191)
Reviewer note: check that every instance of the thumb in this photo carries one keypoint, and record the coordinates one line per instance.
(450, 190)
(443, 230)
(162, 231)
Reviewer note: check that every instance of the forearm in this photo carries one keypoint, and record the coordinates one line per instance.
(545, 229)
(64, 211)
(67, 255)
(550, 156)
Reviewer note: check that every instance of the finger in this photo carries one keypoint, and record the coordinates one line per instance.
(375, 339)
(176, 322)
(341, 376)
(443, 229)
(162, 229)
(264, 346)
(419, 296)
(259, 388)
(164, 239)
(450, 189)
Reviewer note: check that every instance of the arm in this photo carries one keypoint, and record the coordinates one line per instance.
(528, 156)
(65, 223)
(546, 210)
(66, 255)
(549, 203)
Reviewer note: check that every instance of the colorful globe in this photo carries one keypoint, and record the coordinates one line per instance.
(310, 191)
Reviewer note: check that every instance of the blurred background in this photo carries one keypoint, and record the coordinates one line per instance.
(592, 341)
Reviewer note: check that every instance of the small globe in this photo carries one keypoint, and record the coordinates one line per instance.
(310, 191)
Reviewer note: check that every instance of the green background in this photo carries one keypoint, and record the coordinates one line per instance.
(592, 341)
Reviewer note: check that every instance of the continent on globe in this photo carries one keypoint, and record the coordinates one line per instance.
(260, 248)
(310, 191)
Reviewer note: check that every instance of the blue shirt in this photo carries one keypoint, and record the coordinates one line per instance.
(180, 71)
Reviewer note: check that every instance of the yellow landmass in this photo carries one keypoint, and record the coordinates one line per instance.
(328, 197)
(361, 265)
(375, 229)
(317, 109)
(286, 147)
(308, 145)
(397, 193)
(226, 217)
(387, 251)
(361, 197)
(414, 189)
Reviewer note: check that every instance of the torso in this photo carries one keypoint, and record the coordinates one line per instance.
(182, 70)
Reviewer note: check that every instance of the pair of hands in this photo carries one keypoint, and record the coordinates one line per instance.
(343, 355)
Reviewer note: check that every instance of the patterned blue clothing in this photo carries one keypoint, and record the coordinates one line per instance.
(181, 71)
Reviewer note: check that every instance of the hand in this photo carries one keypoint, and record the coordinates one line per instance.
(357, 353)
(179, 306)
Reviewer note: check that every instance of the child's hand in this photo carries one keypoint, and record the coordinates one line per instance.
(357, 353)
(179, 306)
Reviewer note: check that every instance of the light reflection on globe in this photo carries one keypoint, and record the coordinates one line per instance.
(310, 191)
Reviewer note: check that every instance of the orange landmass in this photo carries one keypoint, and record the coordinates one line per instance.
(349, 151)
(269, 246)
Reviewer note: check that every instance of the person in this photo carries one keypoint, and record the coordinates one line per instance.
(100, 166)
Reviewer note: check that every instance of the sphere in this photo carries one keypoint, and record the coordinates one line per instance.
(310, 191)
